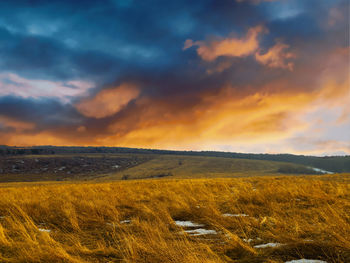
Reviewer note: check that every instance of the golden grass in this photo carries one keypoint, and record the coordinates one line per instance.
(310, 216)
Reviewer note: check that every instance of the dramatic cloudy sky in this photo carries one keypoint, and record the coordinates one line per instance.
(232, 75)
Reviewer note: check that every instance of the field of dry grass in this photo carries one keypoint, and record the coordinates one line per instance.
(232, 220)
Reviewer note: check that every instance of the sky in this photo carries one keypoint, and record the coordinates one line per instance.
(258, 76)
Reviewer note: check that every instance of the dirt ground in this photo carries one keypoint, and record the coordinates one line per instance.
(29, 168)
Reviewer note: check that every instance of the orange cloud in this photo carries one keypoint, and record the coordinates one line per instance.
(224, 117)
(232, 47)
(108, 101)
(17, 125)
(29, 139)
(277, 57)
(231, 116)
(81, 129)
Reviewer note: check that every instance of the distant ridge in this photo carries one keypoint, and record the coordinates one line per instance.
(336, 164)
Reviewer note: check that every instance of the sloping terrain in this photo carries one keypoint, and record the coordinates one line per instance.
(65, 167)
(338, 164)
(182, 166)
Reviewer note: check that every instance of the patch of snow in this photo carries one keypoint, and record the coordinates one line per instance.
(228, 236)
(268, 245)
(251, 239)
(234, 215)
(115, 166)
(200, 232)
(44, 230)
(125, 221)
(321, 170)
(187, 224)
(306, 261)
(62, 168)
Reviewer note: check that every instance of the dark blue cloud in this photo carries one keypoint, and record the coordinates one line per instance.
(53, 37)
(109, 42)
(45, 113)
(103, 40)
(45, 58)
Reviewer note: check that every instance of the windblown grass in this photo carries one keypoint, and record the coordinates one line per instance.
(134, 221)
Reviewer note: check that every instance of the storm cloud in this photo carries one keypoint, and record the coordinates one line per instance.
(253, 76)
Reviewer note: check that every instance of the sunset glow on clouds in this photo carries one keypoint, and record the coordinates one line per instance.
(108, 102)
(232, 47)
(277, 57)
(245, 76)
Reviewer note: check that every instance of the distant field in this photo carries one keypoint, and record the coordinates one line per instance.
(63, 167)
(337, 164)
(251, 219)
(79, 167)
(178, 166)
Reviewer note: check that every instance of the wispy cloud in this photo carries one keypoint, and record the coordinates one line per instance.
(13, 84)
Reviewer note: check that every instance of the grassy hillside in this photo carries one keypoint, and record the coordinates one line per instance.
(336, 164)
(251, 219)
(66, 167)
(178, 166)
